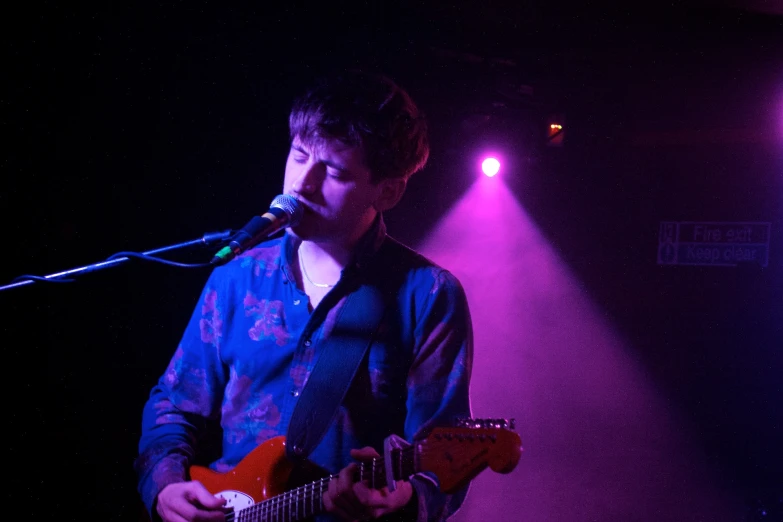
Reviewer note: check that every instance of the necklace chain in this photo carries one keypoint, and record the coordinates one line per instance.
(304, 272)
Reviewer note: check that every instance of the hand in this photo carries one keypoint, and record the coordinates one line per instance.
(190, 502)
(353, 501)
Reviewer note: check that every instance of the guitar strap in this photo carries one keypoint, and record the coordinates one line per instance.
(341, 354)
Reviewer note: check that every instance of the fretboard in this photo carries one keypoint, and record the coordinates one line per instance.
(306, 501)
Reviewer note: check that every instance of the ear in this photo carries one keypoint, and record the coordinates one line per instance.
(391, 191)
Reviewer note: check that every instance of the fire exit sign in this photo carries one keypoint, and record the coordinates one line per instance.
(713, 243)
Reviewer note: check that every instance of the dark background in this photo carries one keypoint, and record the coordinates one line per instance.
(135, 127)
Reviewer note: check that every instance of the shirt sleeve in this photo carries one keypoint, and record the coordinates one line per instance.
(186, 399)
(438, 382)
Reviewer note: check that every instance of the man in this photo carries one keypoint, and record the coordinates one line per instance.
(251, 346)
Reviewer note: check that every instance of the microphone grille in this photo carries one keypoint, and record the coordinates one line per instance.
(291, 206)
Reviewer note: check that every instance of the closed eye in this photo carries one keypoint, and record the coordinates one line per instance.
(299, 154)
(334, 172)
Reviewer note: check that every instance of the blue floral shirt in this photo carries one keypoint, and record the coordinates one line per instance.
(240, 364)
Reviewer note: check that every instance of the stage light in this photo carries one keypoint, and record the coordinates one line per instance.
(555, 132)
(490, 166)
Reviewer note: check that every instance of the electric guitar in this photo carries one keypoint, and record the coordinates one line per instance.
(256, 488)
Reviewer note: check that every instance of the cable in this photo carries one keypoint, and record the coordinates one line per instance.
(146, 257)
(136, 255)
(39, 278)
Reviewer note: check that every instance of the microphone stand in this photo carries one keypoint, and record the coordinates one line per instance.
(206, 240)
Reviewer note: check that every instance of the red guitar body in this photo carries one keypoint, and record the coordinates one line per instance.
(262, 474)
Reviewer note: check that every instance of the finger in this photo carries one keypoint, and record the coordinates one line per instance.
(382, 501)
(172, 502)
(182, 502)
(367, 496)
(365, 453)
(168, 514)
(377, 502)
(178, 510)
(331, 504)
(346, 498)
(191, 513)
(204, 498)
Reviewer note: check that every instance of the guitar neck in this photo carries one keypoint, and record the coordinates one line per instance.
(307, 501)
(296, 504)
(453, 454)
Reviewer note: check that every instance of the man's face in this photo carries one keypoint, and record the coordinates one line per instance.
(333, 183)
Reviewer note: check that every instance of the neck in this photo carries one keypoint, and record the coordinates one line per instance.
(325, 259)
(324, 253)
(320, 268)
(307, 501)
(322, 261)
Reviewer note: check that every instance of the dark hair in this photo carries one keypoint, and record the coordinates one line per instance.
(366, 110)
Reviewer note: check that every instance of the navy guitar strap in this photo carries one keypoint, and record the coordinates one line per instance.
(341, 355)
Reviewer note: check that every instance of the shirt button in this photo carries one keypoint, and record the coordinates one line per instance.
(295, 392)
(307, 342)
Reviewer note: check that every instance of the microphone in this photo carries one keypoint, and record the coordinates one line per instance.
(285, 211)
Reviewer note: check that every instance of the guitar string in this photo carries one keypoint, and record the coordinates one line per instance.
(289, 499)
(292, 498)
(278, 504)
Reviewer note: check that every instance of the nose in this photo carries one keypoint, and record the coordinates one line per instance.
(308, 178)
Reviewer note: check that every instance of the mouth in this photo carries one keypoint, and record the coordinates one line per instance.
(306, 207)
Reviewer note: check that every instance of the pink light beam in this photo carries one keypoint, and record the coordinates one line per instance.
(599, 442)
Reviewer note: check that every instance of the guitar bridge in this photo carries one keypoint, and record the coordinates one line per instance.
(507, 424)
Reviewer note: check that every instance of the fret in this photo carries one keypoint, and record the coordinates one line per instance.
(286, 506)
(321, 496)
(468, 450)
(291, 506)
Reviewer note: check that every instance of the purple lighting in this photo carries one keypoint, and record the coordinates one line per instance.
(490, 166)
(597, 433)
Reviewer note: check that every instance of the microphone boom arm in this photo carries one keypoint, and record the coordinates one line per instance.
(60, 277)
